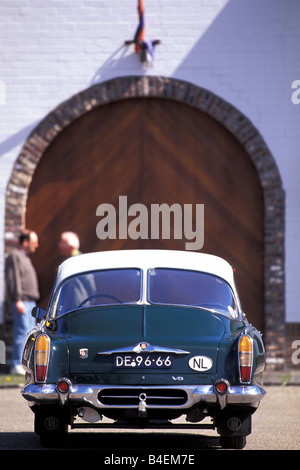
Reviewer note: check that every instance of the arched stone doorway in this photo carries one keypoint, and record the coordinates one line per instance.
(133, 90)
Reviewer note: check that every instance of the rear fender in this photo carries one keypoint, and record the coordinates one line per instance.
(59, 359)
(228, 363)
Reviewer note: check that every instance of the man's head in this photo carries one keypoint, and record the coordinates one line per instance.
(68, 244)
(29, 241)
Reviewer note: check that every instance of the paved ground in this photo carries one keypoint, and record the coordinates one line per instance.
(276, 426)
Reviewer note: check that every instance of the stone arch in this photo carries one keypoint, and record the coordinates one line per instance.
(240, 126)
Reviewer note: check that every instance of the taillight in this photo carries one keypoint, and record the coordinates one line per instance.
(63, 385)
(245, 358)
(221, 386)
(42, 346)
(222, 389)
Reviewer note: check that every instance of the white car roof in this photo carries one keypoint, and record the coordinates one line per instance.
(146, 259)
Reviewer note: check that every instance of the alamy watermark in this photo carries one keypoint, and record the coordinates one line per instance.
(296, 353)
(2, 352)
(137, 222)
(296, 94)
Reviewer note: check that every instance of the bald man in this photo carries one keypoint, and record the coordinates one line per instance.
(69, 244)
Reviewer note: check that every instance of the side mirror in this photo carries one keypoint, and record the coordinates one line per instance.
(38, 313)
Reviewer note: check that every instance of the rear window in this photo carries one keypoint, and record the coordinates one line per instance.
(105, 287)
(191, 288)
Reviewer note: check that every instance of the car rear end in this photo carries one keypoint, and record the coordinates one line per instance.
(188, 363)
(160, 355)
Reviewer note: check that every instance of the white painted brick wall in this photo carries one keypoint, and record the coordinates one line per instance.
(246, 51)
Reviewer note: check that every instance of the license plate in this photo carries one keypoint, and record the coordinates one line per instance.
(149, 361)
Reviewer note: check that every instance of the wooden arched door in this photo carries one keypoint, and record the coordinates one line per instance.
(153, 151)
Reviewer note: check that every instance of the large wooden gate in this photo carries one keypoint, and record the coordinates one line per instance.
(152, 151)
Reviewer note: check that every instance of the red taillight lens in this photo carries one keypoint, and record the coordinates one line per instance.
(42, 346)
(221, 387)
(63, 386)
(245, 358)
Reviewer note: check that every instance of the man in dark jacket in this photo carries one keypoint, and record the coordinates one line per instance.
(22, 292)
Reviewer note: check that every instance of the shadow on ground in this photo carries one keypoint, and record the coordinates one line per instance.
(109, 443)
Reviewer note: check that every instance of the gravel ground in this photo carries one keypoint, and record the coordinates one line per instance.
(276, 426)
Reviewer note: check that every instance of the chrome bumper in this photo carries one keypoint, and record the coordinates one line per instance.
(243, 395)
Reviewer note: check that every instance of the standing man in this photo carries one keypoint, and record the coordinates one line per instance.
(22, 292)
(69, 244)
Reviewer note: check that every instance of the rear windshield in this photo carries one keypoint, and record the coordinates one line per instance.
(107, 287)
(191, 288)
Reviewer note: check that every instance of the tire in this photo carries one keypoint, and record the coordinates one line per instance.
(51, 425)
(233, 442)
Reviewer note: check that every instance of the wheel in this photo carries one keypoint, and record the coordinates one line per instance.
(233, 425)
(233, 442)
(51, 425)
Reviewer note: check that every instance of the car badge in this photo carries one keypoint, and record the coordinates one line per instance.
(84, 353)
(200, 363)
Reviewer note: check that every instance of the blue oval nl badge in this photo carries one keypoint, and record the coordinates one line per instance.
(200, 363)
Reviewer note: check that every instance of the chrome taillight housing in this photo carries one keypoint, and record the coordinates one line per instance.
(245, 358)
(41, 357)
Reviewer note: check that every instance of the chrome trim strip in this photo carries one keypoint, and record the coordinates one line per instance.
(148, 349)
(240, 394)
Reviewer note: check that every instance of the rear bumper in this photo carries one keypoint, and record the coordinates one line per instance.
(90, 395)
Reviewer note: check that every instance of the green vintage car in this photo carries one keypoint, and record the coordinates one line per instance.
(141, 338)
